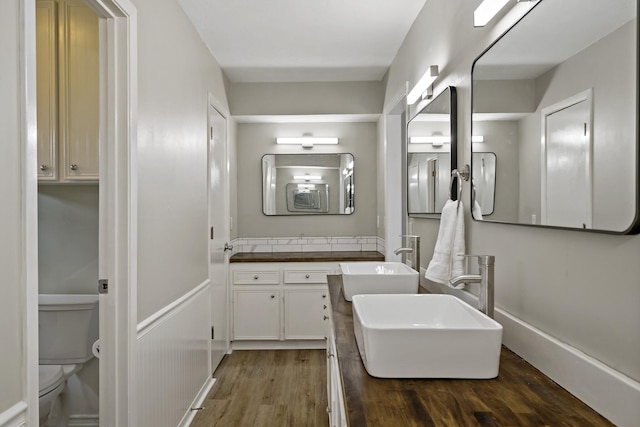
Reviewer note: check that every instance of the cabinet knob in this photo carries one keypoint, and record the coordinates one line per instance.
(324, 295)
(73, 167)
(256, 277)
(273, 296)
(44, 167)
(324, 306)
(326, 317)
(306, 276)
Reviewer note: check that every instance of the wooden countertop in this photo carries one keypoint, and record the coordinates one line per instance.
(306, 256)
(521, 395)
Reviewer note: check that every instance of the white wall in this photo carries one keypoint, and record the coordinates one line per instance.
(68, 239)
(12, 260)
(175, 73)
(256, 139)
(306, 98)
(580, 288)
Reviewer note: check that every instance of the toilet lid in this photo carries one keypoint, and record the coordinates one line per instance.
(50, 377)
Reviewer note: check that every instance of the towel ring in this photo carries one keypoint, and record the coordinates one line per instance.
(459, 176)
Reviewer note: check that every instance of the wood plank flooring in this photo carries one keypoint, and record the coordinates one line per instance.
(274, 388)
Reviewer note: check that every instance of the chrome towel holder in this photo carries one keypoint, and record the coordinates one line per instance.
(459, 176)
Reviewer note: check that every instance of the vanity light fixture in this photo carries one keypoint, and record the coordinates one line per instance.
(423, 84)
(307, 141)
(307, 177)
(307, 186)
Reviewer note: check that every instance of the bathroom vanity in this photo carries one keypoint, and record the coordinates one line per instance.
(520, 395)
(280, 300)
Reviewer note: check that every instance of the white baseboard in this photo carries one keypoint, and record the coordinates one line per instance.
(15, 416)
(278, 345)
(83, 420)
(610, 393)
(197, 403)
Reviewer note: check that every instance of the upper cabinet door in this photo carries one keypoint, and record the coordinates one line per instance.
(47, 100)
(79, 87)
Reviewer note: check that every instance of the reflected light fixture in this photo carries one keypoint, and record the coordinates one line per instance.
(423, 84)
(307, 177)
(307, 141)
(440, 139)
(486, 11)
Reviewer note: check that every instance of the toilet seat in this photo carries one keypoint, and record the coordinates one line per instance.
(50, 377)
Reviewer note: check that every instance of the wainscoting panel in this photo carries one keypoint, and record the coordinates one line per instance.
(15, 416)
(172, 359)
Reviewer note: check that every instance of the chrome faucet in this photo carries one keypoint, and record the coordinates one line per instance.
(403, 251)
(486, 264)
(413, 249)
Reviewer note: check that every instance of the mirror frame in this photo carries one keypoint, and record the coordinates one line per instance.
(453, 129)
(302, 212)
(634, 227)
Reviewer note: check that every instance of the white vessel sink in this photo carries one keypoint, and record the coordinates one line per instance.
(377, 278)
(425, 336)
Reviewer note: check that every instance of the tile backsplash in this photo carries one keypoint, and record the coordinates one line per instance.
(308, 244)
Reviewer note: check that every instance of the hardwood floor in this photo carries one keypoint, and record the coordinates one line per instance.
(274, 388)
(287, 388)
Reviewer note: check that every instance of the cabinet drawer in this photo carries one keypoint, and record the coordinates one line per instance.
(305, 276)
(247, 277)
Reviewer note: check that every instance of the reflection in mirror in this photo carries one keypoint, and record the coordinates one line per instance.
(431, 152)
(483, 184)
(555, 99)
(307, 184)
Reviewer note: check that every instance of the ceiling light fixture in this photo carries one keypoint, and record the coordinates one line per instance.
(307, 141)
(423, 84)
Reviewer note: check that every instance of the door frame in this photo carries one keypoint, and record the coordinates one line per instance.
(586, 95)
(118, 212)
(213, 102)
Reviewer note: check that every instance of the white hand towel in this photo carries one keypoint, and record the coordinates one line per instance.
(476, 211)
(447, 261)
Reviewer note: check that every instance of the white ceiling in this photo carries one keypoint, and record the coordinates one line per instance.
(303, 40)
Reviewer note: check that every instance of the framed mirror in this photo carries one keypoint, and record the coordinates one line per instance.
(308, 184)
(431, 155)
(556, 99)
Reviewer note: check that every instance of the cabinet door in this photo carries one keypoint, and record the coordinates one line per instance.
(79, 89)
(256, 314)
(46, 81)
(305, 313)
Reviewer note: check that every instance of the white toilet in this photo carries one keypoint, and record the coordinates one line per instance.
(68, 327)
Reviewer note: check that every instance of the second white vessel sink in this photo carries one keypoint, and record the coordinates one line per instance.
(425, 336)
(371, 277)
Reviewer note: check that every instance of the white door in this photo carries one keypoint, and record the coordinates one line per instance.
(219, 232)
(567, 180)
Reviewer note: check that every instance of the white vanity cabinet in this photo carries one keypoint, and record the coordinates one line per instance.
(280, 301)
(68, 85)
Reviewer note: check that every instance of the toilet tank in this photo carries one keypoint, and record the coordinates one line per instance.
(67, 328)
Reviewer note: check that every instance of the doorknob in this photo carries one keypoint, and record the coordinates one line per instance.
(227, 246)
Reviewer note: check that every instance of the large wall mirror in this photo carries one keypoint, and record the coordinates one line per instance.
(307, 184)
(431, 152)
(555, 98)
